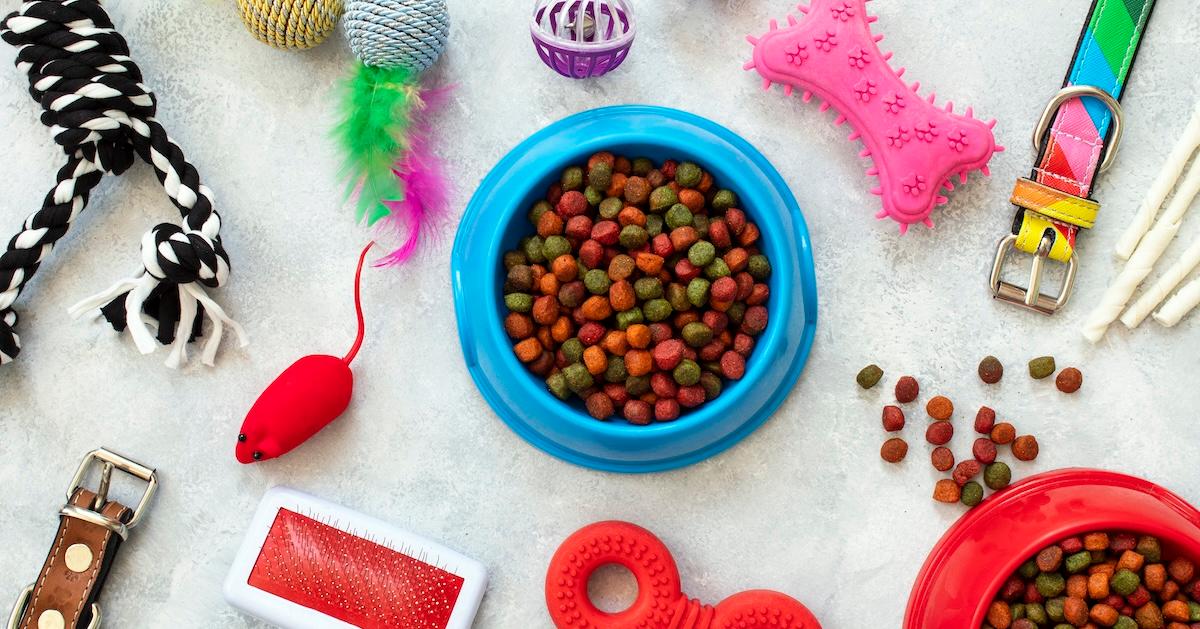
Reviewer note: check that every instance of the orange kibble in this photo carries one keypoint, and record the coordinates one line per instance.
(520, 326)
(693, 199)
(684, 237)
(1077, 585)
(1107, 569)
(601, 157)
(1003, 433)
(550, 224)
(649, 398)
(736, 259)
(617, 186)
(528, 350)
(562, 330)
(548, 285)
(595, 360)
(1169, 591)
(683, 318)
(1098, 586)
(638, 362)
(1176, 611)
(1095, 541)
(565, 268)
(946, 490)
(621, 296)
(649, 263)
(596, 308)
(1104, 615)
(545, 309)
(706, 183)
(940, 408)
(1075, 610)
(1155, 577)
(615, 343)
(749, 235)
(638, 336)
(999, 615)
(631, 216)
(544, 337)
(537, 271)
(1131, 561)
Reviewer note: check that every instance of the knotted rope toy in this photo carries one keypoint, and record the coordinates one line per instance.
(102, 116)
(291, 24)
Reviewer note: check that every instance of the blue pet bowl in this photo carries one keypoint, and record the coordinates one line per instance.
(494, 222)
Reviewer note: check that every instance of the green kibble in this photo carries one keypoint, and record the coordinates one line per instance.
(1017, 610)
(657, 310)
(688, 175)
(972, 494)
(654, 225)
(1054, 607)
(997, 475)
(702, 253)
(572, 349)
(519, 302)
(626, 318)
(616, 370)
(759, 267)
(662, 198)
(594, 197)
(711, 383)
(633, 236)
(686, 373)
(710, 366)
(1041, 367)
(1036, 613)
(1193, 611)
(1149, 548)
(697, 292)
(716, 269)
(557, 383)
(1124, 582)
(555, 246)
(697, 334)
(532, 246)
(1078, 562)
(678, 216)
(611, 207)
(538, 209)
(637, 385)
(647, 288)
(600, 175)
(572, 178)
(642, 166)
(723, 200)
(513, 258)
(1049, 585)
(596, 281)
(736, 313)
(1125, 622)
(1028, 570)
(700, 223)
(578, 378)
(869, 376)
(677, 296)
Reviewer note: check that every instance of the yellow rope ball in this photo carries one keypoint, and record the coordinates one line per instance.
(291, 24)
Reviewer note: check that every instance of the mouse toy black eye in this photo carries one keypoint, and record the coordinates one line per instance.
(257, 455)
(242, 437)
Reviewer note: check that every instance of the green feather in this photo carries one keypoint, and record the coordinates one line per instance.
(375, 119)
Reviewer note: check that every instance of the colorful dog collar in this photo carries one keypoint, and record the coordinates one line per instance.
(1076, 139)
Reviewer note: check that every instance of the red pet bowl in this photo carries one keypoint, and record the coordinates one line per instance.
(972, 560)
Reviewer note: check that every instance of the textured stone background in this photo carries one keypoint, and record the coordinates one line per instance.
(804, 505)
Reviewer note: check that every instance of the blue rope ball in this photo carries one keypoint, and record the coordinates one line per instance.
(397, 33)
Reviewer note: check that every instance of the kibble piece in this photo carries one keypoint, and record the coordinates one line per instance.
(1149, 548)
(1041, 367)
(1050, 560)
(1050, 584)
(946, 491)
(991, 370)
(1004, 433)
(999, 615)
(985, 420)
(940, 408)
(997, 476)
(578, 377)
(966, 470)
(907, 389)
(1069, 380)
(1124, 582)
(939, 433)
(687, 373)
(1025, 448)
(942, 459)
(894, 450)
(984, 450)
(972, 494)
(893, 419)
(599, 405)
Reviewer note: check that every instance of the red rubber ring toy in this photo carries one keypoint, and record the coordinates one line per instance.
(660, 603)
(972, 560)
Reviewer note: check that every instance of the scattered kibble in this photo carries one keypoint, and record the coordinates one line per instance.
(894, 450)
(1003, 433)
(984, 450)
(965, 471)
(869, 376)
(893, 419)
(1069, 380)
(1041, 367)
(1101, 580)
(972, 494)
(991, 370)
(985, 420)
(946, 491)
(942, 459)
(997, 475)
(1025, 448)
(940, 408)
(640, 289)
(939, 433)
(907, 389)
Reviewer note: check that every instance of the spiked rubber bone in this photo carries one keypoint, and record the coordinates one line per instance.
(915, 147)
(660, 604)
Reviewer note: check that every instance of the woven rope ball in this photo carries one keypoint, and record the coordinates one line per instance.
(397, 33)
(291, 24)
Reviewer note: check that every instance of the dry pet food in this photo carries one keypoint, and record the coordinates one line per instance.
(907, 389)
(640, 291)
(894, 450)
(990, 370)
(893, 419)
(869, 376)
(940, 408)
(942, 458)
(1041, 367)
(1069, 380)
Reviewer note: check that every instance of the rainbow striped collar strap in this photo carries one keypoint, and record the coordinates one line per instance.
(1076, 140)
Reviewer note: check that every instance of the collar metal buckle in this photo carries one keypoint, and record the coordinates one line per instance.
(1080, 91)
(1031, 297)
(108, 461)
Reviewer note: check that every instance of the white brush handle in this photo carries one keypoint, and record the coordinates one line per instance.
(1143, 259)
(1163, 287)
(1162, 186)
(1180, 305)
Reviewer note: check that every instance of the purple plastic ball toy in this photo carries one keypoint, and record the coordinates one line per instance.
(582, 38)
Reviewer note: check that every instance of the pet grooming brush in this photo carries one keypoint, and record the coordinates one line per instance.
(310, 563)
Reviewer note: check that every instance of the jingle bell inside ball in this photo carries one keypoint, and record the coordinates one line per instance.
(582, 38)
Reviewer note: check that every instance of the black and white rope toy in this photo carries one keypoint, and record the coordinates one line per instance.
(102, 116)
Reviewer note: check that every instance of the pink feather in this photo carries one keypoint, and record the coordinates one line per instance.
(426, 190)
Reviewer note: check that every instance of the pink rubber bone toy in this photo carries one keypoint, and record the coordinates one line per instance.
(915, 146)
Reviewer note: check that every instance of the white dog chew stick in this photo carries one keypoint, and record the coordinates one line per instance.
(1178, 306)
(1153, 296)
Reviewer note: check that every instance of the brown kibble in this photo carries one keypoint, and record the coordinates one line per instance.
(518, 326)
(528, 350)
(1025, 448)
(621, 267)
(985, 420)
(599, 405)
(894, 450)
(893, 418)
(1069, 380)
(946, 491)
(1077, 586)
(940, 408)
(1182, 570)
(942, 459)
(1149, 616)
(1003, 433)
(991, 370)
(1049, 559)
(907, 389)
(1155, 577)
